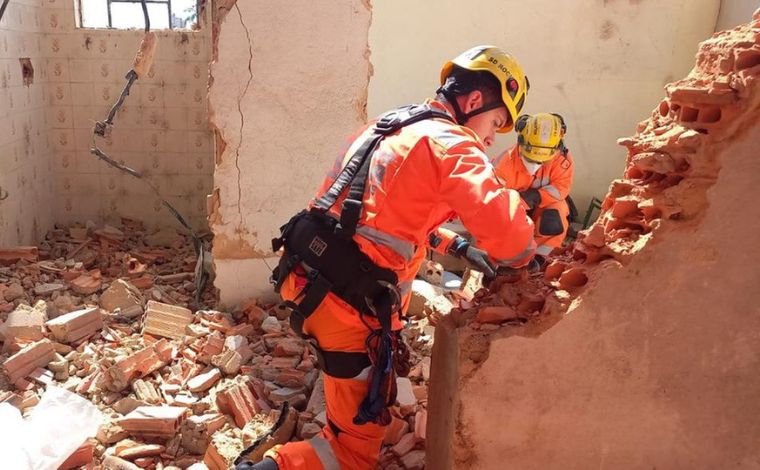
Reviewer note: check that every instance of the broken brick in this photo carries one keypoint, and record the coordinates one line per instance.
(24, 323)
(496, 314)
(166, 320)
(146, 391)
(289, 347)
(9, 256)
(87, 283)
(157, 421)
(83, 456)
(395, 431)
(204, 381)
(405, 444)
(239, 400)
(222, 452)
(73, 326)
(41, 376)
(121, 295)
(132, 452)
(197, 431)
(138, 365)
(35, 355)
(420, 424)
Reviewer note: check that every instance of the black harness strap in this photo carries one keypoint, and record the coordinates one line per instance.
(347, 174)
(356, 170)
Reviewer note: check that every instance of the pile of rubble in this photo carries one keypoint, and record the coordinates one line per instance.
(103, 312)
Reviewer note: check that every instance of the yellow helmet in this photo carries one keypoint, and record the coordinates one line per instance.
(512, 80)
(540, 136)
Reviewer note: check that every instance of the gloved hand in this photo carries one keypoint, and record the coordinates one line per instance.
(476, 257)
(531, 197)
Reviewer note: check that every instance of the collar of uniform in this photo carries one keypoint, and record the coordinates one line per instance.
(441, 107)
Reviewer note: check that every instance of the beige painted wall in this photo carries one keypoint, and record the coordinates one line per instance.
(735, 12)
(162, 130)
(600, 63)
(289, 85)
(25, 154)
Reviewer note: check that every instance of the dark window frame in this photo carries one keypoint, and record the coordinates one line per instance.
(168, 4)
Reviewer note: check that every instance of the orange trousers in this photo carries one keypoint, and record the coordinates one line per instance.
(337, 327)
(546, 243)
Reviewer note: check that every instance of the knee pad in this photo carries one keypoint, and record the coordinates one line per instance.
(551, 223)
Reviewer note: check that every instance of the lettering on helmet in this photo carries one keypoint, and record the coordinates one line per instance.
(498, 65)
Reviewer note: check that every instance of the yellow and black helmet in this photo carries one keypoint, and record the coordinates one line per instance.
(540, 136)
(513, 82)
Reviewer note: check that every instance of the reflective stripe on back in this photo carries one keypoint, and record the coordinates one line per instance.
(324, 452)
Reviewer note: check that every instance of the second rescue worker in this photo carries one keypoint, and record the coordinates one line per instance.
(541, 168)
(350, 257)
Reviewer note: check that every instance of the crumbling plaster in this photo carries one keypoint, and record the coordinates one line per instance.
(600, 63)
(288, 86)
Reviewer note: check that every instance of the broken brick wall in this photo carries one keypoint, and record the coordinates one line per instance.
(288, 86)
(653, 364)
(26, 180)
(162, 130)
(600, 63)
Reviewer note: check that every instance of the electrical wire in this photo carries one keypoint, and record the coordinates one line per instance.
(3, 6)
(145, 15)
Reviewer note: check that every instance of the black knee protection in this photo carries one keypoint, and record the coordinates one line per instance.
(551, 223)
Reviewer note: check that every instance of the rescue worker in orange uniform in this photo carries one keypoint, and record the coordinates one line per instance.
(541, 168)
(349, 259)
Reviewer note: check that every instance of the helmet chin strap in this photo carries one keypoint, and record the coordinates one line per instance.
(463, 117)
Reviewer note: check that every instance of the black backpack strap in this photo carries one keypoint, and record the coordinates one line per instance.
(347, 174)
(386, 125)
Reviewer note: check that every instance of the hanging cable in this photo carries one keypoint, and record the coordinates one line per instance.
(145, 15)
(2, 8)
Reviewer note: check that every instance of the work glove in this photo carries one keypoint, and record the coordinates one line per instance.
(475, 257)
(531, 197)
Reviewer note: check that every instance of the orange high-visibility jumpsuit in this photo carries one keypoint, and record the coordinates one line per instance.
(553, 181)
(420, 177)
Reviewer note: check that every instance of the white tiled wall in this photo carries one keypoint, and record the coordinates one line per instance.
(25, 151)
(162, 130)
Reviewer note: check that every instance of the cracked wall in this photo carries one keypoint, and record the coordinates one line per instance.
(642, 349)
(26, 178)
(288, 86)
